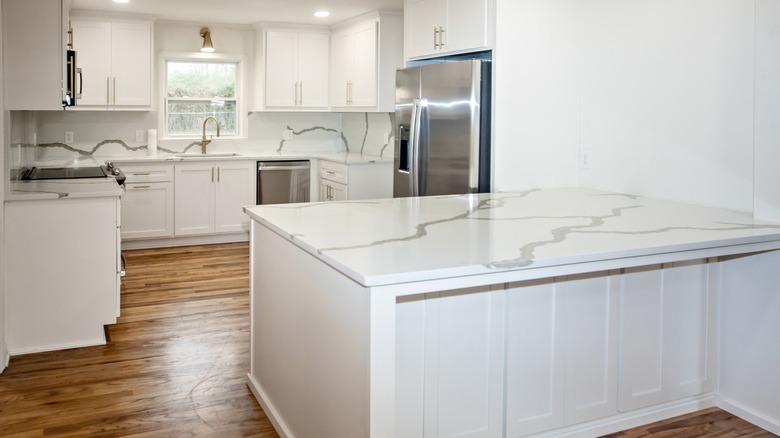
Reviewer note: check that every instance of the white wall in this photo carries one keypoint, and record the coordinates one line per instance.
(661, 92)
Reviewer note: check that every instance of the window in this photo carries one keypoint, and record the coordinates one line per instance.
(198, 88)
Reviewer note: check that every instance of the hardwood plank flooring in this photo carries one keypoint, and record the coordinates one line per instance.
(177, 359)
(175, 364)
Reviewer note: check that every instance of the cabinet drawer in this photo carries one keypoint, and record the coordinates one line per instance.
(335, 172)
(147, 172)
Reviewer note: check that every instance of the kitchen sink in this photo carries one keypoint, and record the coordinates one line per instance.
(206, 156)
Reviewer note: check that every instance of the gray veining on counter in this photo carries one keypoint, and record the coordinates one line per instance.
(410, 239)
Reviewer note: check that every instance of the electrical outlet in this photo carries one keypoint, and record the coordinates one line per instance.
(586, 159)
(287, 134)
(68, 136)
(139, 135)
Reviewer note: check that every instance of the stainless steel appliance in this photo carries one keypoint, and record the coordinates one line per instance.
(107, 170)
(283, 182)
(442, 126)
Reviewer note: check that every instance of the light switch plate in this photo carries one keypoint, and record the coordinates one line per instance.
(68, 136)
(287, 134)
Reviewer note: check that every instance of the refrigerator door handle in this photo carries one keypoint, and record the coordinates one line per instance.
(414, 171)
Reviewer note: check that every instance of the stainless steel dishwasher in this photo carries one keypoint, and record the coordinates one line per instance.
(283, 182)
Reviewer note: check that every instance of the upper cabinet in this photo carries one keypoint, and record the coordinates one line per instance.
(365, 53)
(296, 70)
(115, 58)
(35, 43)
(439, 27)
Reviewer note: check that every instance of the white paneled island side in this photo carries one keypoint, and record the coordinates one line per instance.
(555, 312)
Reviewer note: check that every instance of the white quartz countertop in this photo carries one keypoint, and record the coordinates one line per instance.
(391, 241)
(64, 188)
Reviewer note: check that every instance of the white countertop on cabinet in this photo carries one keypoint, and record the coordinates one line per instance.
(65, 188)
(399, 240)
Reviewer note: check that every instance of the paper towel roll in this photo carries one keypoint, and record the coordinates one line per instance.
(151, 135)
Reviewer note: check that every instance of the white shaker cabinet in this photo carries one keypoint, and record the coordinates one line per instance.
(566, 372)
(209, 197)
(340, 182)
(296, 70)
(147, 206)
(668, 333)
(115, 58)
(35, 39)
(364, 57)
(438, 27)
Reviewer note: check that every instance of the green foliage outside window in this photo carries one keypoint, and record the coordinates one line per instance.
(196, 90)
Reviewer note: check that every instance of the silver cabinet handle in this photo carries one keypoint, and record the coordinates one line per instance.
(212, 174)
(141, 187)
(114, 90)
(441, 37)
(108, 90)
(296, 94)
(301, 104)
(435, 38)
(142, 174)
(218, 174)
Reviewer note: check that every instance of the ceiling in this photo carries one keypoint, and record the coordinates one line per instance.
(242, 11)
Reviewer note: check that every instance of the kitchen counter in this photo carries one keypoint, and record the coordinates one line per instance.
(73, 188)
(559, 312)
(390, 241)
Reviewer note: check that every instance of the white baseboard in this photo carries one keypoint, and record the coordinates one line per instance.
(268, 407)
(54, 347)
(208, 239)
(747, 414)
(620, 422)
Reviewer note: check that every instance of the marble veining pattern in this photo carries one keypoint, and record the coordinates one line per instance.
(407, 239)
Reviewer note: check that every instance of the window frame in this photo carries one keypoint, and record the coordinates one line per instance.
(241, 118)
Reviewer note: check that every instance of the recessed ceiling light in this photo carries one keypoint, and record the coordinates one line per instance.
(321, 14)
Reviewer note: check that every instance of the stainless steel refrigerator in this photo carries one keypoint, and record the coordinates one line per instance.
(442, 129)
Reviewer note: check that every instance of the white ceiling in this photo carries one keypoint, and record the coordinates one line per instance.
(242, 11)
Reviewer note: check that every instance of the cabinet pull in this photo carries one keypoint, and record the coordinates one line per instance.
(435, 38)
(142, 187)
(212, 174)
(218, 174)
(296, 94)
(142, 174)
(301, 103)
(108, 90)
(114, 90)
(347, 92)
(441, 37)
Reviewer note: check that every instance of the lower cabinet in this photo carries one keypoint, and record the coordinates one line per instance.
(147, 205)
(62, 279)
(339, 181)
(537, 356)
(209, 197)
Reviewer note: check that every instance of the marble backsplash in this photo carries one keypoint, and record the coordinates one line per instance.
(39, 136)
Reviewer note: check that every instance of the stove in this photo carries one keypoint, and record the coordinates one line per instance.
(43, 173)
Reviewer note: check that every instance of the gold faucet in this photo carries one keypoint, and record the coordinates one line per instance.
(204, 141)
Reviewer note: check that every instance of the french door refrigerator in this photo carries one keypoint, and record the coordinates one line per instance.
(442, 129)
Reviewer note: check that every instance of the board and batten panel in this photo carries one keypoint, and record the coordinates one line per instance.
(667, 333)
(449, 362)
(534, 357)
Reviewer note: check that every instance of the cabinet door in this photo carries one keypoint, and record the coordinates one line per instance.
(467, 26)
(194, 199)
(92, 40)
(34, 50)
(235, 189)
(131, 64)
(342, 58)
(147, 210)
(281, 64)
(330, 191)
(364, 77)
(313, 66)
(421, 17)
(667, 322)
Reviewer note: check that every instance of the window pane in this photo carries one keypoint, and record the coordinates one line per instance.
(186, 117)
(201, 79)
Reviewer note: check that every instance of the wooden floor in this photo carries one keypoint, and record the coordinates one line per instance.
(177, 359)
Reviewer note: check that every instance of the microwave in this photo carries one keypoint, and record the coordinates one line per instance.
(71, 73)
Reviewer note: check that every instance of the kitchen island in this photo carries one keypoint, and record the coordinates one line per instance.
(565, 312)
